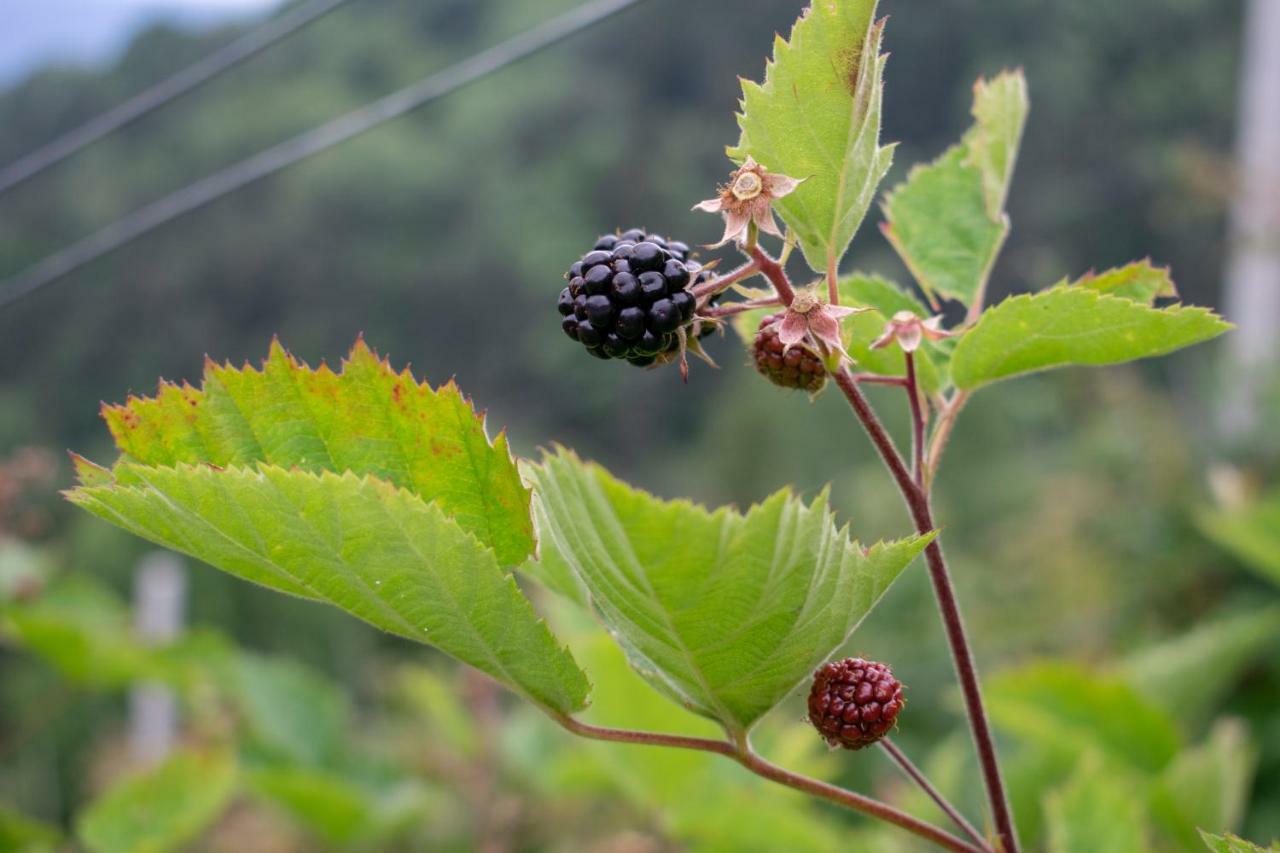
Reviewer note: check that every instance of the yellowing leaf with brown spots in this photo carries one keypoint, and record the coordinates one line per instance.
(365, 418)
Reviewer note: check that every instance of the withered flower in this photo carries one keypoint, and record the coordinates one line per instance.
(748, 198)
(909, 330)
(808, 315)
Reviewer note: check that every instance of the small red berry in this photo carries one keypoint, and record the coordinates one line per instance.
(854, 702)
(798, 367)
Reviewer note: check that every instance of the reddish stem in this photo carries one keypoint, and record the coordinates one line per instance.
(766, 769)
(877, 379)
(917, 500)
(773, 271)
(915, 775)
(720, 283)
(917, 421)
(737, 307)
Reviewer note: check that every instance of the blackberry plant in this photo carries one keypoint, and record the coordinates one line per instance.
(385, 497)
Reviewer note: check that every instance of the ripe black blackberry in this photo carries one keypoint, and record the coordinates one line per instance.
(630, 296)
(854, 702)
(798, 367)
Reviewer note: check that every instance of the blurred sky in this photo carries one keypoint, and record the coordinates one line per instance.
(92, 32)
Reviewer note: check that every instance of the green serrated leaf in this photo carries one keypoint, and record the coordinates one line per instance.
(1139, 281)
(367, 419)
(1096, 812)
(1251, 532)
(374, 550)
(1206, 786)
(1070, 326)
(817, 117)
(724, 612)
(1063, 707)
(947, 220)
(1188, 675)
(1229, 843)
(164, 809)
(551, 570)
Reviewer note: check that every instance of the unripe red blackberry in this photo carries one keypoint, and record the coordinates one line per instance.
(629, 297)
(854, 702)
(798, 367)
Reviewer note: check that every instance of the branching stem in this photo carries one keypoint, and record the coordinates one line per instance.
(917, 422)
(917, 500)
(942, 433)
(721, 283)
(760, 766)
(738, 307)
(773, 271)
(915, 775)
(877, 379)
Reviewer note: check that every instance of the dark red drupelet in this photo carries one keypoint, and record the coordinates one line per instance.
(798, 367)
(854, 702)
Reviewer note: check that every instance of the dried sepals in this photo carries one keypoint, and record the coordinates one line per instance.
(748, 198)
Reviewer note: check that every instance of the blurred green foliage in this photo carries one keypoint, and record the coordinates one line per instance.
(1073, 504)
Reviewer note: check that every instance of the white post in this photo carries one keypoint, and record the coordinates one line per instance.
(160, 591)
(1252, 289)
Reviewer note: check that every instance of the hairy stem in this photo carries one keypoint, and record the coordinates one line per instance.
(833, 281)
(737, 307)
(917, 422)
(915, 775)
(877, 379)
(773, 271)
(721, 283)
(917, 500)
(942, 433)
(767, 770)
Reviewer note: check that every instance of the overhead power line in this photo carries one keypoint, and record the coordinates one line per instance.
(170, 89)
(339, 130)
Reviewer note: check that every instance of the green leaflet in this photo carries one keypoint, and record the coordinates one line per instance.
(22, 834)
(817, 117)
(947, 221)
(1188, 675)
(1067, 326)
(1139, 281)
(290, 712)
(1206, 786)
(1064, 708)
(1096, 812)
(724, 612)
(164, 809)
(1250, 532)
(87, 633)
(1229, 843)
(366, 419)
(332, 806)
(374, 550)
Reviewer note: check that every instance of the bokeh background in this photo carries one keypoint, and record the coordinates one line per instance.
(1074, 503)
